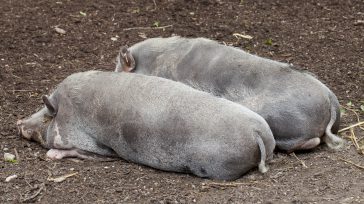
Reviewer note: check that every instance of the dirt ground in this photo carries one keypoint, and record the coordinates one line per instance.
(325, 37)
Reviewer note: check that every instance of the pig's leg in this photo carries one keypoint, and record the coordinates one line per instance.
(63, 153)
(309, 144)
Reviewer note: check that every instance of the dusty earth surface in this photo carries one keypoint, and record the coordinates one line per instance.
(325, 37)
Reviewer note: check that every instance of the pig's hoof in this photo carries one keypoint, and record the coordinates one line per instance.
(310, 144)
(54, 154)
(306, 145)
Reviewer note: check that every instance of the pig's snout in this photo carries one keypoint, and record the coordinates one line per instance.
(21, 132)
(18, 125)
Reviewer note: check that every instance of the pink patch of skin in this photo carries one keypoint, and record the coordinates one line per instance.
(312, 143)
(62, 153)
(309, 144)
(55, 154)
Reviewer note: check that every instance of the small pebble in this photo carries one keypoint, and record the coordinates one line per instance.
(9, 178)
(6, 149)
(60, 30)
(9, 157)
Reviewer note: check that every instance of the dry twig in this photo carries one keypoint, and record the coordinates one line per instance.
(61, 178)
(351, 126)
(35, 194)
(352, 110)
(359, 22)
(238, 35)
(354, 139)
(350, 162)
(147, 28)
(22, 90)
(356, 114)
(16, 155)
(155, 5)
(232, 184)
(302, 162)
(15, 76)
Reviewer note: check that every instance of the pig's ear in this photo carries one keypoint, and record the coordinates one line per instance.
(125, 61)
(51, 106)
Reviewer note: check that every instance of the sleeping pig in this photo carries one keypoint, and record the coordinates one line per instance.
(300, 110)
(151, 121)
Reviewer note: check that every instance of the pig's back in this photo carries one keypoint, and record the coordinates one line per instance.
(153, 97)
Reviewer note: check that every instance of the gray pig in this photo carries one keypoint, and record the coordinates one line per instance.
(299, 109)
(151, 121)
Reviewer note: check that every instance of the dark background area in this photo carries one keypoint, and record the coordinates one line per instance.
(325, 37)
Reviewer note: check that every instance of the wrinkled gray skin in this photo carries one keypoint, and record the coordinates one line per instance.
(151, 121)
(300, 110)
